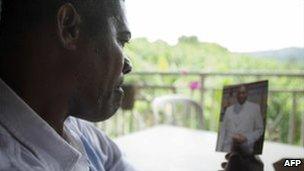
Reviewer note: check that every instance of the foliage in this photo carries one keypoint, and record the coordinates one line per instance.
(191, 55)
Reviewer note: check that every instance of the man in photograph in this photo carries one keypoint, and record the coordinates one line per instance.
(242, 123)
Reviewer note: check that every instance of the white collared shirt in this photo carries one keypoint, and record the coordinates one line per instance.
(28, 143)
(248, 121)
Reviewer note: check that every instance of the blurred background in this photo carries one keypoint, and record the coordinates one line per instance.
(194, 48)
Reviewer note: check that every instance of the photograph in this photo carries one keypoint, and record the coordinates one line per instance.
(151, 85)
(243, 117)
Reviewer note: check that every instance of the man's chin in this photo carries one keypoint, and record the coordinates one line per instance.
(104, 113)
(101, 111)
(111, 112)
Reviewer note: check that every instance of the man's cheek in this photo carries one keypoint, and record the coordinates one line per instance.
(116, 70)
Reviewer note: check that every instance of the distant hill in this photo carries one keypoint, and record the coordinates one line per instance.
(191, 54)
(287, 54)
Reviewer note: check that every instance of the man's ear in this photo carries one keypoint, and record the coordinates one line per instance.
(68, 21)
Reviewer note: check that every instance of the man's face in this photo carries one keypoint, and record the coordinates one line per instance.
(242, 94)
(98, 94)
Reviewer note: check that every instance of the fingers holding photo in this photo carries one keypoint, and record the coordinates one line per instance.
(239, 138)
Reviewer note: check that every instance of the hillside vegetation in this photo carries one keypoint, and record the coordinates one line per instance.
(191, 55)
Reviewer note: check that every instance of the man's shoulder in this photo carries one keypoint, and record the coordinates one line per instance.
(7, 150)
(5, 163)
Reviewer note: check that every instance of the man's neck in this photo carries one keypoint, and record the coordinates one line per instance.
(50, 108)
(37, 72)
(241, 104)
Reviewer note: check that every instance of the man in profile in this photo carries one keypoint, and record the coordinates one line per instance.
(60, 60)
(242, 124)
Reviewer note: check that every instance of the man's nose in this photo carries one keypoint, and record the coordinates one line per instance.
(127, 68)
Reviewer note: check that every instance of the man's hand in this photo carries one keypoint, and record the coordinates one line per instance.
(239, 160)
(239, 138)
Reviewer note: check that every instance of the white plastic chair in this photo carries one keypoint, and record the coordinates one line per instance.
(172, 102)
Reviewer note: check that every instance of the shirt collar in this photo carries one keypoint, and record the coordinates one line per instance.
(32, 131)
(238, 107)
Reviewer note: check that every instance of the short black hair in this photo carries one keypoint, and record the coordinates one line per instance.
(20, 15)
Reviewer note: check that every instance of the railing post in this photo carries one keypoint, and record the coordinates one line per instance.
(174, 90)
(202, 90)
(302, 129)
(291, 131)
(213, 122)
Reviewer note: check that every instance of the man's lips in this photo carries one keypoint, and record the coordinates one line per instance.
(119, 86)
(120, 82)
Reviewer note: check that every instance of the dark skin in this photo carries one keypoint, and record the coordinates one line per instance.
(240, 160)
(242, 94)
(60, 72)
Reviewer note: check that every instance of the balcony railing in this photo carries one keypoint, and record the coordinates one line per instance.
(285, 100)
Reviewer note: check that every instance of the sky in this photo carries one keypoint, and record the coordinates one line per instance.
(239, 25)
